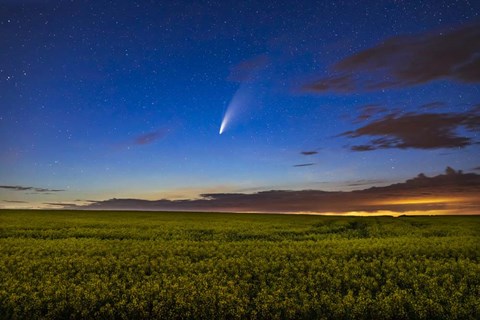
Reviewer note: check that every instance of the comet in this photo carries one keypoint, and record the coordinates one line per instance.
(228, 115)
(238, 105)
(225, 120)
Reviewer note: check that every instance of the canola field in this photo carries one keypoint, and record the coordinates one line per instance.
(155, 265)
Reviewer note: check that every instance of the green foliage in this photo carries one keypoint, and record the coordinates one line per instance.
(137, 265)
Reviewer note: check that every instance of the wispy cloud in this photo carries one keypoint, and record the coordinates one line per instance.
(62, 205)
(368, 111)
(304, 164)
(433, 105)
(150, 137)
(35, 189)
(408, 60)
(246, 70)
(358, 183)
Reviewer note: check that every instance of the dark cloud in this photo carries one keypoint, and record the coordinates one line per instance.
(36, 190)
(408, 60)
(368, 111)
(304, 164)
(62, 205)
(364, 182)
(436, 192)
(150, 137)
(16, 188)
(14, 201)
(246, 70)
(418, 130)
(308, 153)
(44, 193)
(476, 168)
(362, 148)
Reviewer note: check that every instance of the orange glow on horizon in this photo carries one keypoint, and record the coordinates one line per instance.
(430, 200)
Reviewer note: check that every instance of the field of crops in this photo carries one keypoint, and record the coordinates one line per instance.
(136, 265)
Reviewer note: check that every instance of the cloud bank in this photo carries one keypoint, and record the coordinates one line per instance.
(453, 191)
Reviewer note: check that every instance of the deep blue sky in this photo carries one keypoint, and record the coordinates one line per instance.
(108, 99)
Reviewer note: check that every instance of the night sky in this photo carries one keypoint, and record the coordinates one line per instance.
(127, 99)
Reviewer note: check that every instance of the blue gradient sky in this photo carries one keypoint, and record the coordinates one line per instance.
(109, 99)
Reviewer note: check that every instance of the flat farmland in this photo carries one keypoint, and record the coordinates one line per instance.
(172, 265)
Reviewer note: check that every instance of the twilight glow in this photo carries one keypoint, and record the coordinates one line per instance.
(328, 107)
